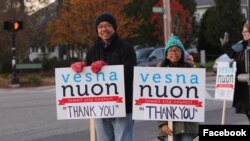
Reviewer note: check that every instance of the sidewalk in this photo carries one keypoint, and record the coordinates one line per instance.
(210, 73)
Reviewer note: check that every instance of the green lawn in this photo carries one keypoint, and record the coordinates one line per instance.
(208, 65)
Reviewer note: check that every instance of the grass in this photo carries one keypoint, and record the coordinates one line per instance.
(208, 65)
(4, 82)
(28, 79)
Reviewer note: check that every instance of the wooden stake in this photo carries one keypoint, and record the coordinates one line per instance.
(223, 112)
(92, 129)
(170, 126)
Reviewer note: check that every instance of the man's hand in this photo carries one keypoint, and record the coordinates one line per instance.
(166, 130)
(97, 66)
(224, 40)
(78, 66)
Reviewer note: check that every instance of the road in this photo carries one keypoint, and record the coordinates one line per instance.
(29, 114)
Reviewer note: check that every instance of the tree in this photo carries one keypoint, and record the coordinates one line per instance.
(74, 26)
(181, 23)
(190, 6)
(32, 33)
(218, 20)
(202, 42)
(142, 9)
(15, 10)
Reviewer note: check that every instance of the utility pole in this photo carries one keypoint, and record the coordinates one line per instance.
(167, 34)
(167, 20)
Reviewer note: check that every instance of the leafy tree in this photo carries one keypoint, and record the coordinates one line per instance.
(142, 9)
(202, 42)
(218, 20)
(190, 6)
(181, 22)
(29, 36)
(74, 26)
(15, 10)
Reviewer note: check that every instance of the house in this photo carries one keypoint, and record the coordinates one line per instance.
(37, 53)
(203, 5)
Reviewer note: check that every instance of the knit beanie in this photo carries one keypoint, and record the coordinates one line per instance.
(108, 17)
(174, 41)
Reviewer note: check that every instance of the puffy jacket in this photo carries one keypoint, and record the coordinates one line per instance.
(178, 127)
(118, 52)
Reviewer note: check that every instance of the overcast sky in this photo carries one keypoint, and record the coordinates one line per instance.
(34, 5)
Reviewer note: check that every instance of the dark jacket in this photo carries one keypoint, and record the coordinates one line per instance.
(241, 92)
(118, 52)
(178, 127)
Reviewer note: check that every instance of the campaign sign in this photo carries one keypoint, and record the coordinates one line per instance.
(89, 95)
(225, 81)
(171, 94)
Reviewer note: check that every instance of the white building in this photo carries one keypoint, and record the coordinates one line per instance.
(203, 5)
(36, 53)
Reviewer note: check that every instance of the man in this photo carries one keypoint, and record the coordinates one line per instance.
(109, 49)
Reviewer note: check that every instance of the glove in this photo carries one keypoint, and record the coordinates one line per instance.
(225, 39)
(97, 66)
(78, 66)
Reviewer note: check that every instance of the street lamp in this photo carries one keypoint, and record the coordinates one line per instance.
(13, 26)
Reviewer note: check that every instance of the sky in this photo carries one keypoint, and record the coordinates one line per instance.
(35, 5)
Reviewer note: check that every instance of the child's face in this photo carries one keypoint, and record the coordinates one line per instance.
(174, 54)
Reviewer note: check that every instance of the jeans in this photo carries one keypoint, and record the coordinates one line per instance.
(181, 137)
(115, 129)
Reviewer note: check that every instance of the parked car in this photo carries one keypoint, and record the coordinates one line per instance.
(223, 58)
(143, 53)
(157, 55)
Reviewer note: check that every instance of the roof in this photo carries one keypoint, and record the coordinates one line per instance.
(211, 2)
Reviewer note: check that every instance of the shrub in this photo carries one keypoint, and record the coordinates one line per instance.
(33, 80)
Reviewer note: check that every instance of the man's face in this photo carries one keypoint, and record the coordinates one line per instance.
(105, 31)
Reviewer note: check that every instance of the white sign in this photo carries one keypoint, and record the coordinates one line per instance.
(172, 94)
(225, 81)
(89, 95)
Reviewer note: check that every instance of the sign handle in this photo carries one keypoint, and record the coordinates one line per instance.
(170, 126)
(223, 112)
(92, 129)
